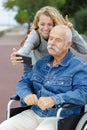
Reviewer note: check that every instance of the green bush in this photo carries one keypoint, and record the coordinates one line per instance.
(81, 20)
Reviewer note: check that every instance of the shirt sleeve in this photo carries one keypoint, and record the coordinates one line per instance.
(30, 43)
(79, 44)
(24, 86)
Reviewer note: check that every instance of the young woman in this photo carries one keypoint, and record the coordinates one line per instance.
(44, 20)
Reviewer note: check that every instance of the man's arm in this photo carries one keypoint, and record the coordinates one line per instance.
(78, 94)
(24, 86)
(25, 90)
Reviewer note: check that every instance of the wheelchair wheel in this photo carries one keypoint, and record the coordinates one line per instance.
(82, 124)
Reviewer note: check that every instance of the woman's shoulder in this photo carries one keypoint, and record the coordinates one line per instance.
(33, 36)
(33, 32)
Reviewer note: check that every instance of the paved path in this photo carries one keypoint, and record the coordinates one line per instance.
(9, 75)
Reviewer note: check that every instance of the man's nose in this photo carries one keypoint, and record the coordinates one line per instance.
(52, 42)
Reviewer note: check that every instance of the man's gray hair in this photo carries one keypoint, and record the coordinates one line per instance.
(67, 30)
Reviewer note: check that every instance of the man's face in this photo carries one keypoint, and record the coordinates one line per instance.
(57, 43)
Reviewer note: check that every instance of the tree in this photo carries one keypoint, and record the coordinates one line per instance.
(81, 20)
(22, 16)
(72, 6)
(26, 9)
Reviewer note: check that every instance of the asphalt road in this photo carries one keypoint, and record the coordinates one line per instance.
(9, 74)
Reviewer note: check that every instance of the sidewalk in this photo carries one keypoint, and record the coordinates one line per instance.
(5, 28)
(11, 39)
(9, 74)
(12, 30)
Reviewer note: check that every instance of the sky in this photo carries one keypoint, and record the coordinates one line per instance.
(6, 17)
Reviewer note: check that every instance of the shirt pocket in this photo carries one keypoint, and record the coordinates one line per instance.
(62, 84)
(37, 78)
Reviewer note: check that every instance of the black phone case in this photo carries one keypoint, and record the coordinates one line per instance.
(26, 60)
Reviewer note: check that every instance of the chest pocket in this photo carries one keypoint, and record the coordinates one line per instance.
(37, 78)
(61, 84)
(37, 83)
(63, 81)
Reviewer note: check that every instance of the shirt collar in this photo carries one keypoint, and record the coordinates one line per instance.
(64, 62)
(67, 59)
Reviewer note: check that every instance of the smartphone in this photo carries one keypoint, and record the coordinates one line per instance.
(26, 60)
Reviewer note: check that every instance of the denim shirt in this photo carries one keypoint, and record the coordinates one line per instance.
(65, 83)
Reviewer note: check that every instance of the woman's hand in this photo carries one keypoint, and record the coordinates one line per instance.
(14, 59)
(67, 23)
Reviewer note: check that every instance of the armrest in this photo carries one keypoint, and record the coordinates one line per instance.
(15, 97)
(69, 106)
(65, 107)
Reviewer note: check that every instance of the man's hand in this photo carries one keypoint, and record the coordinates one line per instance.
(46, 102)
(31, 100)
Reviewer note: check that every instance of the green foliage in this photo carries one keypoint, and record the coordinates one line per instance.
(22, 16)
(9, 4)
(31, 7)
(81, 20)
(72, 6)
(57, 3)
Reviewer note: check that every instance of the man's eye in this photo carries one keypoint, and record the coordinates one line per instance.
(58, 40)
(50, 38)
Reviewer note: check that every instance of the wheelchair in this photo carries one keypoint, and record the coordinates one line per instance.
(76, 122)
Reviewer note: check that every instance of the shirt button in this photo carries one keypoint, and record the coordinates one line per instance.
(48, 82)
(62, 83)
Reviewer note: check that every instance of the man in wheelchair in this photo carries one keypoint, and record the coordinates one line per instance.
(59, 78)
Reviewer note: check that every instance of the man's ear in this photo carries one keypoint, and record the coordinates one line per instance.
(69, 44)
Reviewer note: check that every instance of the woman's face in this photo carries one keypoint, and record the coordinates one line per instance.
(45, 25)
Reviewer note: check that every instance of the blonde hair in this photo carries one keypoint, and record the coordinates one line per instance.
(52, 12)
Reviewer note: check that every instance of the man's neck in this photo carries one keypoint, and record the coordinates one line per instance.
(58, 59)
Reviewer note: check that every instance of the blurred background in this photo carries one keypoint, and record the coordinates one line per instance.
(16, 17)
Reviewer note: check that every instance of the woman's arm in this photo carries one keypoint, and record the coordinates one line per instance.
(30, 43)
(79, 43)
